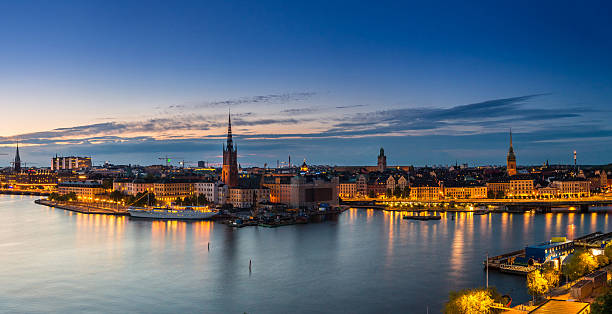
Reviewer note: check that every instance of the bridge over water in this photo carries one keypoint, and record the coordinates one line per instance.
(518, 205)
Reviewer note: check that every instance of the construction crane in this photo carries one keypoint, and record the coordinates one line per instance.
(166, 159)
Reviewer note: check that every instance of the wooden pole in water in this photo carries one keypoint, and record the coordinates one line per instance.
(250, 266)
(208, 246)
(487, 270)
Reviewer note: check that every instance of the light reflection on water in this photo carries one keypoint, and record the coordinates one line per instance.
(365, 261)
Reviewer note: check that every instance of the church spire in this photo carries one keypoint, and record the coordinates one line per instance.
(17, 163)
(230, 141)
(510, 137)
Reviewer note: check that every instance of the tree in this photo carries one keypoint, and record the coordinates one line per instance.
(602, 304)
(397, 192)
(471, 301)
(608, 251)
(406, 192)
(581, 262)
(536, 284)
(602, 260)
(371, 194)
(107, 184)
(116, 195)
(71, 196)
(551, 276)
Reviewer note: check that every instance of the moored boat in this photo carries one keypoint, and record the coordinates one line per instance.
(186, 213)
(428, 217)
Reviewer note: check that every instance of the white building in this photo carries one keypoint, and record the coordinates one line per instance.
(215, 192)
(70, 163)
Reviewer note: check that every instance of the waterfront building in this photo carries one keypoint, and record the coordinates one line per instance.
(84, 189)
(311, 190)
(347, 189)
(462, 190)
(512, 187)
(382, 160)
(280, 187)
(376, 186)
(214, 191)
(521, 187)
(244, 196)
(303, 191)
(396, 182)
(425, 191)
(547, 192)
(17, 163)
(166, 190)
(554, 252)
(511, 159)
(169, 190)
(70, 163)
(229, 172)
(573, 187)
(362, 185)
(30, 179)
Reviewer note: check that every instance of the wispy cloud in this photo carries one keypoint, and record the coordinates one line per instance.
(491, 116)
(260, 99)
(350, 106)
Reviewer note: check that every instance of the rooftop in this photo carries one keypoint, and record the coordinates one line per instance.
(561, 306)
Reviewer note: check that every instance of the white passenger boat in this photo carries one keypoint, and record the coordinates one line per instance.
(194, 213)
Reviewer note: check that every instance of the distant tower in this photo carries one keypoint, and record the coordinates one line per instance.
(229, 174)
(511, 160)
(382, 160)
(17, 163)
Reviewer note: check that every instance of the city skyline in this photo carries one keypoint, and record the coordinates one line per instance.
(323, 82)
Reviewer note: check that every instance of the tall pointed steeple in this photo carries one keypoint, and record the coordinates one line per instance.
(229, 173)
(230, 140)
(17, 163)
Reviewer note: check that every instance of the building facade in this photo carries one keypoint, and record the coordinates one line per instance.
(70, 163)
(464, 192)
(214, 192)
(87, 189)
(573, 188)
(247, 197)
(425, 192)
(347, 190)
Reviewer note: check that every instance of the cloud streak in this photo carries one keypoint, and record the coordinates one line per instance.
(487, 117)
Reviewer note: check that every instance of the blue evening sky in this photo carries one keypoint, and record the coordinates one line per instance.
(329, 81)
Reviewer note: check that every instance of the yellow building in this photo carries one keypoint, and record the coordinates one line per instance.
(465, 192)
(573, 188)
(88, 189)
(425, 193)
(347, 190)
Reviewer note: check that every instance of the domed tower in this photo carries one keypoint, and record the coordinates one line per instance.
(229, 173)
(511, 159)
(382, 160)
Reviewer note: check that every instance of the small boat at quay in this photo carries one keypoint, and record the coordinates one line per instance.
(182, 213)
(428, 217)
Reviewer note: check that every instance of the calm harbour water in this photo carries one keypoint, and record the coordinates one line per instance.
(365, 261)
